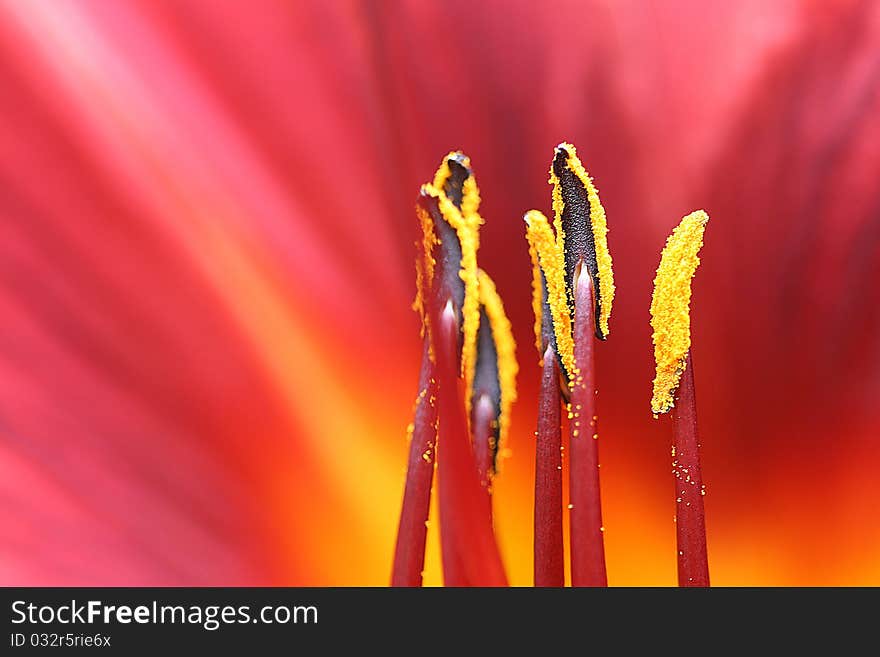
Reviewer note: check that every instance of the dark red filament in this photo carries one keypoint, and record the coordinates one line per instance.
(549, 549)
(409, 555)
(587, 540)
(690, 525)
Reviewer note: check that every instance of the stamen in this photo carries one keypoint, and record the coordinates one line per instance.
(674, 389)
(445, 269)
(576, 290)
(581, 231)
(670, 307)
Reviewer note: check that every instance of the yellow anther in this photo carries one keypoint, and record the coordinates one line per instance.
(549, 257)
(598, 226)
(466, 223)
(670, 307)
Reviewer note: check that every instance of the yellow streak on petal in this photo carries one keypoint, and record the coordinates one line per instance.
(505, 348)
(295, 360)
(599, 226)
(670, 307)
(552, 264)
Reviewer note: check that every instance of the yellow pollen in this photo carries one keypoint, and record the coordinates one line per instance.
(470, 201)
(552, 264)
(599, 226)
(505, 348)
(670, 307)
(466, 223)
(470, 196)
(425, 263)
(537, 298)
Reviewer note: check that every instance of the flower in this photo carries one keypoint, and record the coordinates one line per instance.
(209, 360)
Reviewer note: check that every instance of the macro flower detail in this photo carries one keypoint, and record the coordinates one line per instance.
(204, 321)
(468, 335)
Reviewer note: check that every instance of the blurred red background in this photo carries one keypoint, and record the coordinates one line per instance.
(208, 357)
